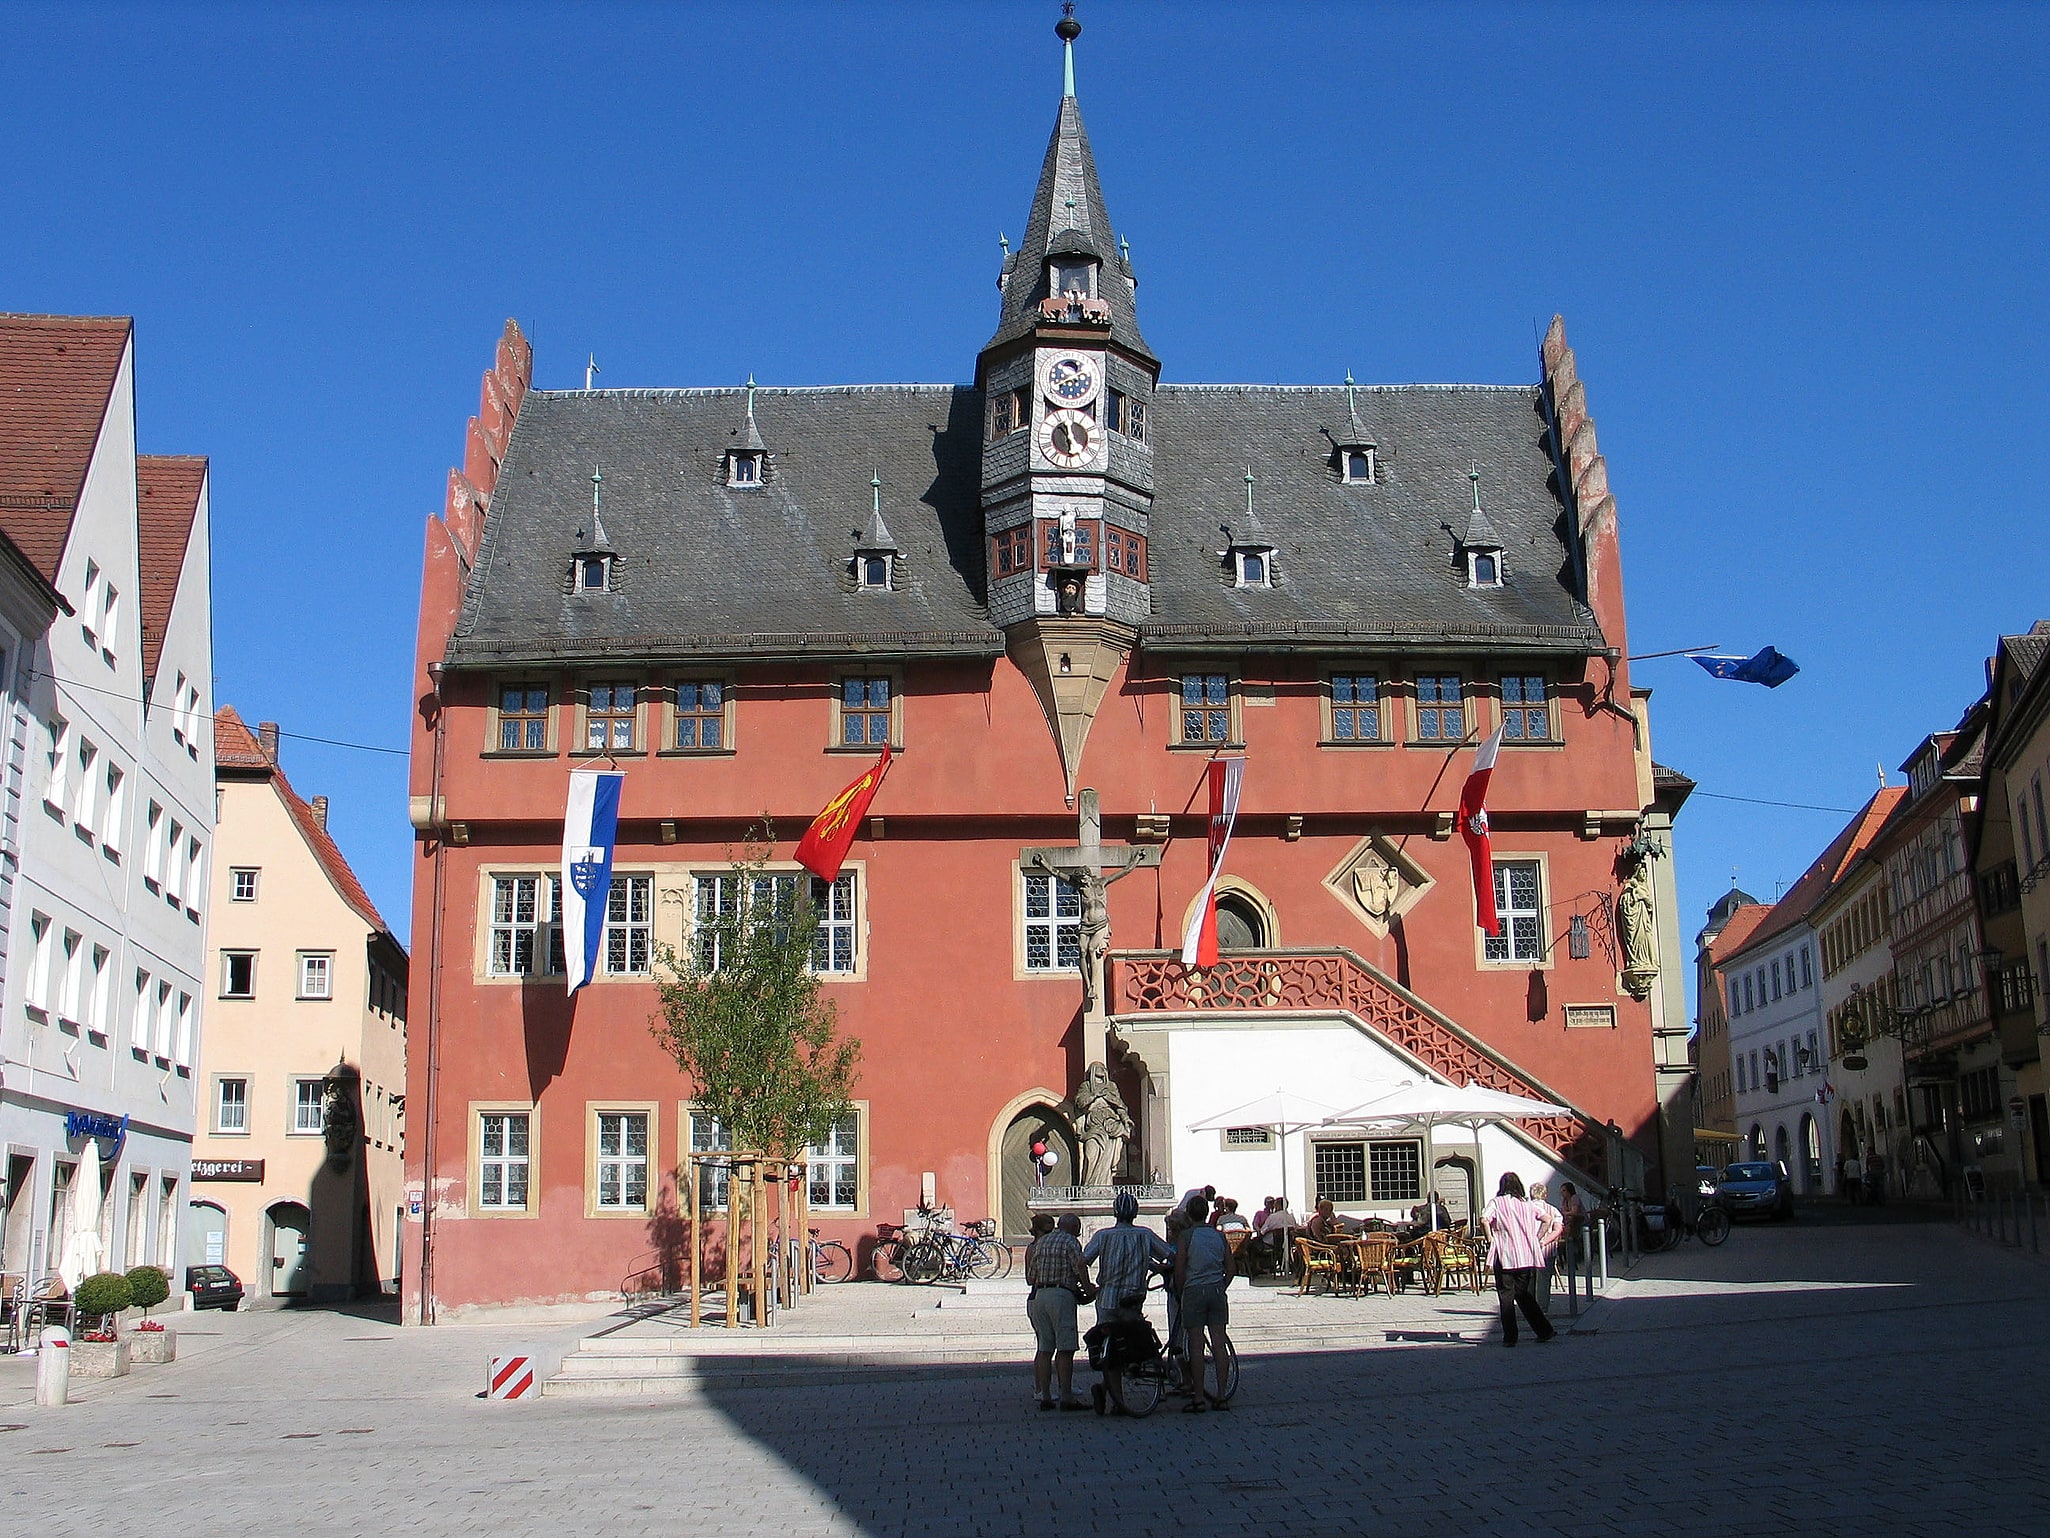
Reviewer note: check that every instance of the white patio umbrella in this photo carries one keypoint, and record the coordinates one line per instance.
(82, 1256)
(1281, 1113)
(1427, 1102)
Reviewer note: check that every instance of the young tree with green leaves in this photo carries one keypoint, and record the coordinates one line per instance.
(743, 1015)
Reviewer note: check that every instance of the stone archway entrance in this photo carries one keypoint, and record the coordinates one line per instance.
(1452, 1177)
(288, 1264)
(1014, 1168)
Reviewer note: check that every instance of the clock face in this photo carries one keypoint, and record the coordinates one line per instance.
(1071, 380)
(1068, 439)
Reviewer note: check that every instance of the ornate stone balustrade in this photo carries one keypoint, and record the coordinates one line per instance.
(1337, 981)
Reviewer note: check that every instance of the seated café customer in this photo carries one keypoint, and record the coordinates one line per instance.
(1324, 1226)
(1433, 1214)
(1228, 1215)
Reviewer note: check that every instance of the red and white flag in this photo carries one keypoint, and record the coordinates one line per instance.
(1473, 827)
(1199, 945)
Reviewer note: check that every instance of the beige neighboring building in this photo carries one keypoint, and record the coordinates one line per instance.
(296, 1171)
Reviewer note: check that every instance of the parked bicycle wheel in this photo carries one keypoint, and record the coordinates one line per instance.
(834, 1262)
(1005, 1254)
(924, 1263)
(979, 1259)
(1231, 1370)
(886, 1264)
(1145, 1382)
(1714, 1226)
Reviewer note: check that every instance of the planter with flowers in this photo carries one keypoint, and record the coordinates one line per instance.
(151, 1342)
(97, 1349)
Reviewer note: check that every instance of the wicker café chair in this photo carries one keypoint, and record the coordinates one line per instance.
(1241, 1261)
(1371, 1253)
(1458, 1262)
(1412, 1260)
(1316, 1260)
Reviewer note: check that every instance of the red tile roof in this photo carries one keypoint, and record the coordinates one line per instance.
(1741, 926)
(1817, 879)
(57, 376)
(236, 747)
(166, 501)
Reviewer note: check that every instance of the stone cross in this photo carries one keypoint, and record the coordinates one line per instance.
(1090, 869)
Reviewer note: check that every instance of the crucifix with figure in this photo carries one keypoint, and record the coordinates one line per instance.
(1090, 868)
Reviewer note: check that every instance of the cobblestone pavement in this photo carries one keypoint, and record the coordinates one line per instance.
(1835, 1375)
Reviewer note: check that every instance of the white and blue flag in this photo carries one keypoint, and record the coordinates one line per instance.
(590, 826)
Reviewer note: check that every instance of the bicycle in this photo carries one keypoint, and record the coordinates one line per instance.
(831, 1261)
(940, 1256)
(1712, 1227)
(886, 1261)
(1162, 1367)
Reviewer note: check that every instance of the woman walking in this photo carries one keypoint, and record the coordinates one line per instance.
(1519, 1233)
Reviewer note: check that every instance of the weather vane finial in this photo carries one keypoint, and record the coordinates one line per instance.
(597, 486)
(1067, 29)
(1473, 473)
(1249, 491)
(1349, 388)
(875, 485)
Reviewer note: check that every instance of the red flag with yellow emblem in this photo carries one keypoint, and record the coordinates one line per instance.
(823, 849)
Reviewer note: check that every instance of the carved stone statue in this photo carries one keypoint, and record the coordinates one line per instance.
(1105, 1125)
(1636, 931)
(341, 1124)
(1378, 886)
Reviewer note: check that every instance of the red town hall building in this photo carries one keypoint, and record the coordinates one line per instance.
(1067, 576)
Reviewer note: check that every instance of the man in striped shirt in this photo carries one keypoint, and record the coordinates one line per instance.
(1054, 1275)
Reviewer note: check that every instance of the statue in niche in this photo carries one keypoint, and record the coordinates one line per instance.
(1105, 1125)
(1636, 930)
(341, 1124)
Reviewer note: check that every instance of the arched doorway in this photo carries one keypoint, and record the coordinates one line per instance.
(1240, 925)
(206, 1235)
(1783, 1150)
(1452, 1179)
(1848, 1144)
(1811, 1155)
(1016, 1182)
(1757, 1142)
(289, 1224)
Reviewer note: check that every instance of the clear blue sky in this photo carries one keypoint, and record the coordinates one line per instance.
(1800, 250)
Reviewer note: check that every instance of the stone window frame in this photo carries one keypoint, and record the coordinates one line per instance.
(1387, 702)
(305, 964)
(1498, 674)
(685, 1111)
(214, 1127)
(1373, 455)
(580, 710)
(550, 687)
(651, 1196)
(487, 878)
(478, 1110)
(235, 883)
(1492, 554)
(895, 674)
(1411, 689)
(1235, 724)
(1264, 554)
(1548, 960)
(298, 1081)
(857, 869)
(663, 695)
(860, 1210)
(237, 953)
(582, 565)
(757, 461)
(1020, 972)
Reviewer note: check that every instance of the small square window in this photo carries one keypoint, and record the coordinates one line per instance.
(309, 1112)
(1526, 717)
(1006, 414)
(1012, 551)
(1206, 707)
(700, 713)
(1355, 707)
(609, 719)
(622, 1161)
(594, 573)
(1256, 568)
(1483, 568)
(238, 974)
(522, 719)
(1358, 466)
(1441, 709)
(244, 879)
(502, 1163)
(316, 974)
(231, 1105)
(864, 712)
(747, 470)
(875, 572)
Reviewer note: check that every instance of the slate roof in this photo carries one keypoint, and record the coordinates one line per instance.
(1068, 174)
(236, 747)
(166, 502)
(709, 569)
(57, 375)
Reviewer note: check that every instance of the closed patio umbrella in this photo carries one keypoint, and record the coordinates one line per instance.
(82, 1254)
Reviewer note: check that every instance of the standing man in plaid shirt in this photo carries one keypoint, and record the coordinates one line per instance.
(1053, 1272)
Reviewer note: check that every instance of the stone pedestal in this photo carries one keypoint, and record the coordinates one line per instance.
(153, 1346)
(100, 1358)
(1092, 1204)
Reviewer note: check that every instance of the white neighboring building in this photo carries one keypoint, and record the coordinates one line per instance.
(109, 781)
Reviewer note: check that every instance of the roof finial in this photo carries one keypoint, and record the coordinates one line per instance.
(1473, 474)
(1004, 241)
(590, 369)
(750, 392)
(1067, 29)
(875, 484)
(1125, 250)
(1249, 493)
(597, 486)
(1349, 388)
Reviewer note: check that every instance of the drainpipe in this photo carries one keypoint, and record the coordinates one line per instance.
(439, 825)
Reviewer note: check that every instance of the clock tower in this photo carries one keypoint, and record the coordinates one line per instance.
(1067, 461)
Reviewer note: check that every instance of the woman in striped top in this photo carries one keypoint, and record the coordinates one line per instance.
(1519, 1233)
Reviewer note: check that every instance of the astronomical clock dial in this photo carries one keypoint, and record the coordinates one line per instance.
(1068, 439)
(1070, 380)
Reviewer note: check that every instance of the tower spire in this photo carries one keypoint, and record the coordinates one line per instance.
(1067, 29)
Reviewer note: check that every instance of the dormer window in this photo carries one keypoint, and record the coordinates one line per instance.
(1482, 547)
(873, 572)
(744, 467)
(1483, 568)
(875, 550)
(1072, 276)
(594, 573)
(1356, 465)
(1255, 567)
